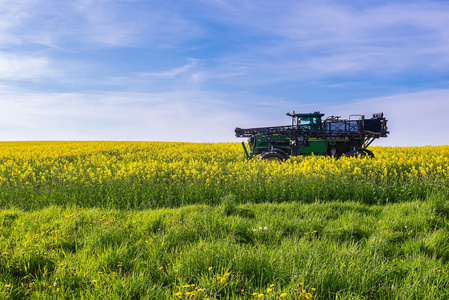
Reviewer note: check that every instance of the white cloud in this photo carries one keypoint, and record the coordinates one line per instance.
(173, 72)
(85, 24)
(12, 14)
(193, 117)
(25, 67)
(296, 41)
(318, 38)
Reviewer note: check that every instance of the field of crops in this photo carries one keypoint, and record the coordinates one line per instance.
(155, 220)
(154, 175)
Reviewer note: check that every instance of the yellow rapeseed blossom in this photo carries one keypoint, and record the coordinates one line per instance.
(198, 168)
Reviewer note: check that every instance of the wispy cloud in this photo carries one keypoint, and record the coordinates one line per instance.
(84, 24)
(301, 39)
(326, 37)
(175, 116)
(25, 67)
(173, 72)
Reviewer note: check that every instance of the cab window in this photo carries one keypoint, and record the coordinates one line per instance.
(309, 122)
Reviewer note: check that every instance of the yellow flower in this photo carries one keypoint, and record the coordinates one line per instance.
(227, 274)
(283, 295)
(210, 268)
(308, 296)
(178, 294)
(223, 280)
(260, 295)
(94, 281)
(269, 290)
(313, 289)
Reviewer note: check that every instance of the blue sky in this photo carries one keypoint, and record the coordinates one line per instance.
(194, 70)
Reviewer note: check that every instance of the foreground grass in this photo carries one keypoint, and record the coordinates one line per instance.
(341, 250)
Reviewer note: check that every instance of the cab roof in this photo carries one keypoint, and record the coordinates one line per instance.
(304, 115)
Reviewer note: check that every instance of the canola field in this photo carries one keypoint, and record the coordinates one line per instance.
(155, 174)
(156, 220)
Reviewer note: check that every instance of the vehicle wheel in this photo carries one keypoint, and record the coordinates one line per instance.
(273, 156)
(368, 152)
(355, 153)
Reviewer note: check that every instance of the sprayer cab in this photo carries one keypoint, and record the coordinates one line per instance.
(311, 121)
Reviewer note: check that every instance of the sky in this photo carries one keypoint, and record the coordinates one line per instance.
(192, 71)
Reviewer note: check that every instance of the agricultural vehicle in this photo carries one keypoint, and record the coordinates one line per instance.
(308, 134)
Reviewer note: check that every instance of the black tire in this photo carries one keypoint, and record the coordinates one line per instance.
(280, 151)
(355, 153)
(368, 152)
(273, 156)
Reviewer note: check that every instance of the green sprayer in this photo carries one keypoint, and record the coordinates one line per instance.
(309, 134)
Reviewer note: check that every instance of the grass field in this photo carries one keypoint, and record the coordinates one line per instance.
(153, 220)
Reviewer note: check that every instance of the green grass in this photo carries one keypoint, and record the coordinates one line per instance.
(344, 250)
